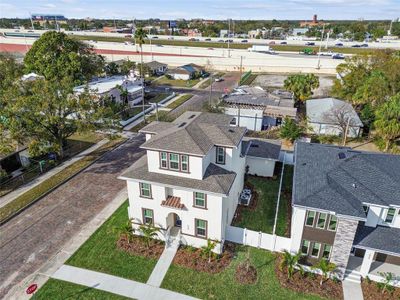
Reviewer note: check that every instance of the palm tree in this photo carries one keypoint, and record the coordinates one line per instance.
(207, 251)
(325, 267)
(290, 261)
(140, 36)
(125, 230)
(148, 232)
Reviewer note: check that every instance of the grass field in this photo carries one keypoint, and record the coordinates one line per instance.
(293, 48)
(100, 253)
(224, 286)
(182, 99)
(177, 82)
(33, 194)
(60, 290)
(262, 218)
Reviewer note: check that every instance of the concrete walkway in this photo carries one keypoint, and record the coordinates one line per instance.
(26, 187)
(162, 266)
(352, 290)
(116, 285)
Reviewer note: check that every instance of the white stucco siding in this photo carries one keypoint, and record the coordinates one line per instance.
(252, 119)
(260, 166)
(195, 166)
(297, 224)
(328, 129)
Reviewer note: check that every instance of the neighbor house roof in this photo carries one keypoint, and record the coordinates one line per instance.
(340, 179)
(261, 148)
(153, 65)
(186, 69)
(106, 84)
(320, 111)
(194, 133)
(215, 180)
(381, 238)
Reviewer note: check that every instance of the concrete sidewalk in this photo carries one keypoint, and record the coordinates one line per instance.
(352, 290)
(26, 187)
(116, 285)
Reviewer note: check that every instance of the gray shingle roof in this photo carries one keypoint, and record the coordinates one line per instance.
(323, 180)
(195, 133)
(155, 65)
(156, 127)
(215, 180)
(381, 238)
(261, 148)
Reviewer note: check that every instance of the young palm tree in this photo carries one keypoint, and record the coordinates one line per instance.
(140, 36)
(326, 267)
(125, 230)
(207, 250)
(290, 261)
(149, 232)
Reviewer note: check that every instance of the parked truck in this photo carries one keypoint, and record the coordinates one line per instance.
(308, 51)
(261, 49)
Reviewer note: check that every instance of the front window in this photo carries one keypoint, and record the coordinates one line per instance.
(163, 159)
(327, 251)
(332, 223)
(184, 163)
(310, 218)
(200, 200)
(201, 228)
(145, 190)
(390, 215)
(174, 161)
(305, 246)
(220, 155)
(315, 249)
(321, 220)
(147, 216)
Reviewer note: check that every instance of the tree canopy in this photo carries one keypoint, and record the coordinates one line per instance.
(56, 55)
(302, 85)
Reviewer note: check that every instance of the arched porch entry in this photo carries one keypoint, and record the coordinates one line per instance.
(173, 220)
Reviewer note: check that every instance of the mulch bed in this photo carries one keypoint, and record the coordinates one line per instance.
(192, 258)
(309, 283)
(246, 274)
(138, 247)
(371, 292)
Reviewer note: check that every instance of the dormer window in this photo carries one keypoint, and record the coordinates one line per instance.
(220, 157)
(390, 215)
(174, 161)
(163, 160)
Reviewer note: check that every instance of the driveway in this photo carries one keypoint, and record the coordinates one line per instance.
(38, 233)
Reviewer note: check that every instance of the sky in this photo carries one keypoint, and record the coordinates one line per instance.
(206, 9)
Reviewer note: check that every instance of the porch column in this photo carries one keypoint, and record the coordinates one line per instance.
(367, 261)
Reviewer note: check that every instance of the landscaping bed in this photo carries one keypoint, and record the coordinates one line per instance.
(192, 258)
(309, 283)
(372, 292)
(137, 246)
(178, 102)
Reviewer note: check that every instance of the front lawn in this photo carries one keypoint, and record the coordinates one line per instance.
(224, 286)
(261, 218)
(177, 82)
(59, 290)
(182, 99)
(100, 252)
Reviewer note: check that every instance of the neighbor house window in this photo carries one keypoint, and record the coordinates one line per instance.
(200, 200)
(327, 251)
(332, 223)
(174, 161)
(201, 228)
(305, 246)
(390, 215)
(184, 163)
(310, 218)
(321, 220)
(163, 160)
(220, 155)
(145, 190)
(148, 217)
(315, 249)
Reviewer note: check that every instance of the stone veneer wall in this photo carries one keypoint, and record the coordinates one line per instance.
(343, 243)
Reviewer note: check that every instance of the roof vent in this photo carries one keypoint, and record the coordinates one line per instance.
(182, 124)
(254, 145)
(342, 155)
(192, 116)
(354, 185)
(231, 130)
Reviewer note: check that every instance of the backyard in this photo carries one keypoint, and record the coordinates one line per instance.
(177, 82)
(261, 217)
(223, 285)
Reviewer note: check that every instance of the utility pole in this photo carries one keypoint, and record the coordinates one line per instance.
(320, 46)
(229, 34)
(211, 78)
(240, 69)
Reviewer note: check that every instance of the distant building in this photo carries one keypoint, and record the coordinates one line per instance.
(186, 72)
(43, 18)
(312, 23)
(191, 32)
(157, 68)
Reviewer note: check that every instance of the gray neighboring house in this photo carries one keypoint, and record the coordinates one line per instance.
(157, 68)
(325, 116)
(346, 208)
(258, 109)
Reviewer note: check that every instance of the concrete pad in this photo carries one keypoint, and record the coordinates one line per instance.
(352, 290)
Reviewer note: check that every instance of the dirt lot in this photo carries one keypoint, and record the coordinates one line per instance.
(276, 81)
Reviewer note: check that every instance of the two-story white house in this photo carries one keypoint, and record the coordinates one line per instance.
(191, 177)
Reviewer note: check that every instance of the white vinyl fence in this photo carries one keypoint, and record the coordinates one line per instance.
(257, 239)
